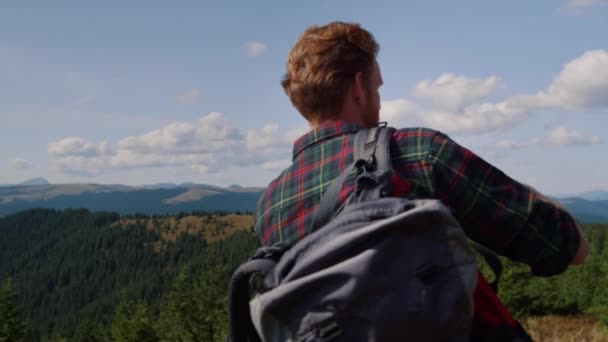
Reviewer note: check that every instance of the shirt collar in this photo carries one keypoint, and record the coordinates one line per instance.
(323, 132)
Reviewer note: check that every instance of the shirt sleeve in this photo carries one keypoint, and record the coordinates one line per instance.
(499, 212)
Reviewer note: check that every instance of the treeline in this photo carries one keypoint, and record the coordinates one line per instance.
(77, 276)
(185, 213)
(72, 270)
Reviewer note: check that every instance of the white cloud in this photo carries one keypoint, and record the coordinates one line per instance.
(78, 156)
(295, 133)
(255, 49)
(517, 145)
(581, 85)
(174, 136)
(19, 164)
(476, 119)
(276, 164)
(80, 165)
(558, 136)
(563, 136)
(400, 112)
(452, 92)
(73, 146)
(188, 96)
(579, 7)
(210, 145)
(264, 138)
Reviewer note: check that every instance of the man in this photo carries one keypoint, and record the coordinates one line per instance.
(333, 81)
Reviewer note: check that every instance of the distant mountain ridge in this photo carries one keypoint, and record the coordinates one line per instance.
(35, 181)
(594, 195)
(172, 198)
(587, 211)
(165, 198)
(32, 181)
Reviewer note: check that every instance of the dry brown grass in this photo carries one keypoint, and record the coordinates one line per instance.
(211, 229)
(561, 329)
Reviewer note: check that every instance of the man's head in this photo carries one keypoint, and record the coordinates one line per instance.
(332, 74)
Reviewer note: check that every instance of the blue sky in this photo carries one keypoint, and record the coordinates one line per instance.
(156, 91)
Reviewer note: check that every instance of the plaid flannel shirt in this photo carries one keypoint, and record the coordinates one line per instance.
(493, 209)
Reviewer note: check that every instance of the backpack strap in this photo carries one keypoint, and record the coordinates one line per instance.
(373, 146)
(330, 200)
(492, 260)
(241, 328)
(371, 152)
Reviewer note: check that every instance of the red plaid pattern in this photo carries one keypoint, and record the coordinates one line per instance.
(494, 210)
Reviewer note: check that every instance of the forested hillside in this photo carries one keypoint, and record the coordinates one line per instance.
(74, 275)
(73, 269)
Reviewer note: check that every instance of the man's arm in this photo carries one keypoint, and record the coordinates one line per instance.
(581, 253)
(503, 214)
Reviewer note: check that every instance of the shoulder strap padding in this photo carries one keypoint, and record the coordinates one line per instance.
(371, 147)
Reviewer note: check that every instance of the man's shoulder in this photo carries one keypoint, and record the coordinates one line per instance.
(415, 132)
(272, 186)
(417, 138)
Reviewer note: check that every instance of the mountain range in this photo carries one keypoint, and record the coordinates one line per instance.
(164, 198)
(171, 198)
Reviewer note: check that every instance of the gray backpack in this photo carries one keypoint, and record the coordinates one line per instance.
(377, 268)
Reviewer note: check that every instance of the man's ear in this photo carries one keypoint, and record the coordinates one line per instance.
(358, 89)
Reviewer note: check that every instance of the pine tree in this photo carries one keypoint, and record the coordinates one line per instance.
(196, 307)
(132, 323)
(12, 328)
(513, 288)
(89, 330)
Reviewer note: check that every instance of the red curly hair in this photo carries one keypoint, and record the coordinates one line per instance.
(323, 63)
